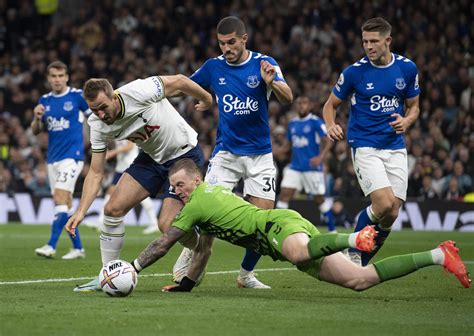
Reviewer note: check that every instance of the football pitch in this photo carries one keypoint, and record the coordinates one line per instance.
(37, 299)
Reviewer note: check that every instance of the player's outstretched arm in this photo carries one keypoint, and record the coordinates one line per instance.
(201, 256)
(176, 84)
(197, 267)
(158, 248)
(89, 191)
(334, 130)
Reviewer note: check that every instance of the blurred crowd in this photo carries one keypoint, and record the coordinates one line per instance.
(311, 40)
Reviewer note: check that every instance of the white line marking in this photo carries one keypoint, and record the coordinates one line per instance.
(156, 275)
(24, 282)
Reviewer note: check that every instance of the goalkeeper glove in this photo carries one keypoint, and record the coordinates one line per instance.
(186, 285)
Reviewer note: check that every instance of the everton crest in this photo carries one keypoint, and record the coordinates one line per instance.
(68, 106)
(252, 81)
(400, 83)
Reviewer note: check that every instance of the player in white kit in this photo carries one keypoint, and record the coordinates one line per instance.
(139, 112)
(124, 153)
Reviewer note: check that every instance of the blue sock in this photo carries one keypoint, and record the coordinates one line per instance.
(329, 220)
(362, 222)
(76, 241)
(60, 219)
(250, 260)
(379, 240)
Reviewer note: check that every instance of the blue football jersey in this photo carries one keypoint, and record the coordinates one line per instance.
(64, 116)
(376, 93)
(242, 98)
(305, 135)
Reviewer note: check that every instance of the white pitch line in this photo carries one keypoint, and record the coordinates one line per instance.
(157, 275)
(24, 282)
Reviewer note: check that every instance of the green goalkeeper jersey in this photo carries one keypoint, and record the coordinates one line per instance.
(219, 212)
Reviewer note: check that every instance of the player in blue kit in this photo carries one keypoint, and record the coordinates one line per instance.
(242, 82)
(309, 146)
(384, 93)
(62, 113)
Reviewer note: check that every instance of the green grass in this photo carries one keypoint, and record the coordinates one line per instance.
(427, 302)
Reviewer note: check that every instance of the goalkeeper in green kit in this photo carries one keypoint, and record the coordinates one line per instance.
(281, 234)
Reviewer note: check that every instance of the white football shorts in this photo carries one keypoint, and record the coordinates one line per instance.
(312, 182)
(64, 174)
(257, 171)
(381, 168)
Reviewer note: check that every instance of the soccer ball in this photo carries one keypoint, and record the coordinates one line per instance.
(118, 278)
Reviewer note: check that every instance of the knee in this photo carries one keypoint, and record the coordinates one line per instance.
(386, 207)
(298, 257)
(62, 198)
(112, 210)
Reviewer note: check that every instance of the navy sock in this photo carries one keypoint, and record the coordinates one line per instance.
(329, 220)
(60, 220)
(379, 241)
(362, 222)
(250, 260)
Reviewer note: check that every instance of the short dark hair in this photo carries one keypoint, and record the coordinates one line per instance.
(231, 24)
(57, 65)
(95, 85)
(188, 165)
(377, 24)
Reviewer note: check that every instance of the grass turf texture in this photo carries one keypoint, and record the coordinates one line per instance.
(428, 302)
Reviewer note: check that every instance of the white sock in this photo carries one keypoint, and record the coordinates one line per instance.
(371, 214)
(282, 205)
(147, 205)
(111, 238)
(438, 256)
(244, 272)
(352, 239)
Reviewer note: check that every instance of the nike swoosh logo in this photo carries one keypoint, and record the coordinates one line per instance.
(117, 135)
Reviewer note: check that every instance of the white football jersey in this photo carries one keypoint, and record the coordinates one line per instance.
(148, 119)
(125, 159)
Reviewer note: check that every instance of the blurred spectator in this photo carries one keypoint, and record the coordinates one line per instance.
(438, 181)
(280, 149)
(464, 181)
(427, 191)
(39, 183)
(5, 178)
(341, 216)
(453, 193)
(347, 185)
(312, 40)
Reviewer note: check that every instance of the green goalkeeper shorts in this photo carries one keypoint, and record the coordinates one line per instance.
(287, 222)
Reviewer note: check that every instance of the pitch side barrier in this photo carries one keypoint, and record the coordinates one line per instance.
(431, 215)
(27, 209)
(420, 216)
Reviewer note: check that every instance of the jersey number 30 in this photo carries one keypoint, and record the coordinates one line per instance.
(269, 184)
